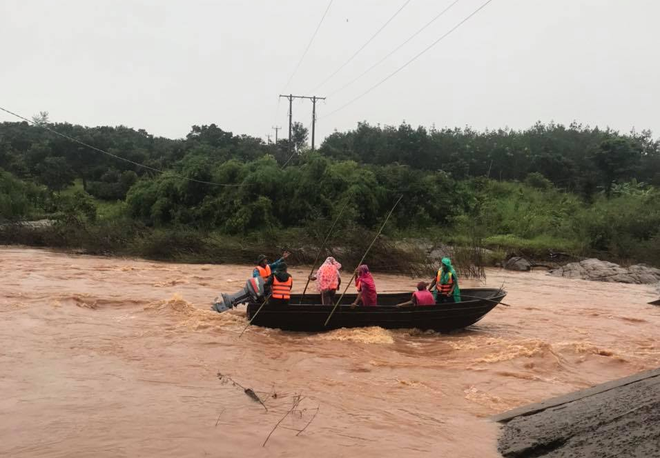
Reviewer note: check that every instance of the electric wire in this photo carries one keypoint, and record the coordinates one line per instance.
(383, 59)
(137, 164)
(289, 159)
(355, 54)
(411, 60)
(307, 48)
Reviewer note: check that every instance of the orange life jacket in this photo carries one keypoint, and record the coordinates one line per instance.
(446, 287)
(264, 272)
(282, 289)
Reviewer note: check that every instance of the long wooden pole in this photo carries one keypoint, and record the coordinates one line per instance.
(486, 299)
(363, 258)
(255, 315)
(318, 255)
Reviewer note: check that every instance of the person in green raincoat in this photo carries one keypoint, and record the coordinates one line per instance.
(445, 284)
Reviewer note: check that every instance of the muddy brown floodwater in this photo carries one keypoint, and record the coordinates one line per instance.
(119, 357)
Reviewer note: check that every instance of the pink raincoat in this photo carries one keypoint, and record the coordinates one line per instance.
(364, 282)
(327, 277)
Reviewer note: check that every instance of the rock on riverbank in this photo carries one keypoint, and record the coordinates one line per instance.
(597, 270)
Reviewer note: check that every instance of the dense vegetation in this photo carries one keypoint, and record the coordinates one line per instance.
(573, 189)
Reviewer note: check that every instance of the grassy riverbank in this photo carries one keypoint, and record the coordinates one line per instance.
(512, 219)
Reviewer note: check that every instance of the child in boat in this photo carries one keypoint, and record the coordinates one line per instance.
(421, 297)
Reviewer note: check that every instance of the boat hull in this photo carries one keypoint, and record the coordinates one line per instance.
(309, 316)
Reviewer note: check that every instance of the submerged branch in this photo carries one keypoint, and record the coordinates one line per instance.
(296, 402)
(309, 422)
(248, 391)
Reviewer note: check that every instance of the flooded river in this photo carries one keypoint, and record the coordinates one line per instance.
(119, 358)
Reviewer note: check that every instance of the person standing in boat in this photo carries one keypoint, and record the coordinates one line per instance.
(366, 287)
(280, 283)
(446, 284)
(265, 270)
(328, 280)
(421, 297)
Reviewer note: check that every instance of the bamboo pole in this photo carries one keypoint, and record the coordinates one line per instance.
(318, 255)
(255, 315)
(362, 260)
(486, 299)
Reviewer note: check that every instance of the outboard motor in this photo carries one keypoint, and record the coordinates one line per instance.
(251, 292)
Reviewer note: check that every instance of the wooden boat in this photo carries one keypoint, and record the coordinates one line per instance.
(310, 316)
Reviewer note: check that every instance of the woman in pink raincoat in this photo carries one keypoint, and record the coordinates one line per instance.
(328, 280)
(366, 287)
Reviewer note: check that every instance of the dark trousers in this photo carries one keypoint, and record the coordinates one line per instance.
(442, 299)
(278, 302)
(328, 296)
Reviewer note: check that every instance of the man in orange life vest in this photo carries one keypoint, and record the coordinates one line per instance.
(265, 270)
(280, 283)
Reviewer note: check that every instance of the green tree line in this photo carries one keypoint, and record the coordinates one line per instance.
(574, 188)
(576, 158)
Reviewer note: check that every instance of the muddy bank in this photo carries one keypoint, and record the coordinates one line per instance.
(119, 357)
(117, 238)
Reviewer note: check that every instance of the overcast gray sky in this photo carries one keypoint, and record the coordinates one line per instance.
(166, 65)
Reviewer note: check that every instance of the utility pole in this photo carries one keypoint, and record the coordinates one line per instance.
(276, 128)
(268, 137)
(313, 99)
(290, 97)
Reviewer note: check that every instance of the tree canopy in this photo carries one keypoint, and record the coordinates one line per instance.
(544, 181)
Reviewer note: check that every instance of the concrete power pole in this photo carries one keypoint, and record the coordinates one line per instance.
(313, 99)
(290, 97)
(276, 128)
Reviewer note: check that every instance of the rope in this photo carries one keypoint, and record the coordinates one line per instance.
(137, 164)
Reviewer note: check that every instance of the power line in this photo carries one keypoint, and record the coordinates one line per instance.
(153, 169)
(362, 47)
(411, 60)
(438, 16)
(308, 46)
(137, 164)
(289, 159)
